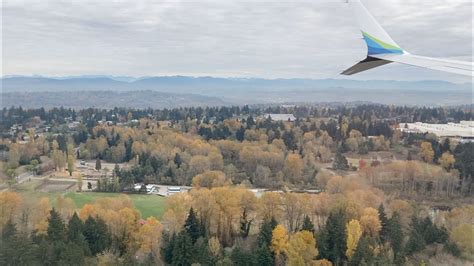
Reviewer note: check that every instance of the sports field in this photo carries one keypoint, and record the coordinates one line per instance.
(148, 205)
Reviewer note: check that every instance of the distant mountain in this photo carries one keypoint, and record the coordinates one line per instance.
(229, 91)
(209, 84)
(107, 99)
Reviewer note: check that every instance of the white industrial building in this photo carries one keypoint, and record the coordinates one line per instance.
(281, 117)
(463, 131)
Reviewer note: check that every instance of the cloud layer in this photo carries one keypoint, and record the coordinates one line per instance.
(272, 39)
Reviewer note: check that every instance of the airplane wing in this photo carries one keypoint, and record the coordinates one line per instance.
(382, 49)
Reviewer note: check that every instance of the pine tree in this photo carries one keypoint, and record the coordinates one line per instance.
(167, 246)
(416, 242)
(265, 235)
(340, 162)
(56, 229)
(98, 164)
(75, 234)
(334, 238)
(16, 248)
(97, 235)
(240, 134)
(307, 224)
(191, 226)
(395, 236)
(264, 256)
(183, 250)
(384, 223)
(240, 257)
(363, 253)
(177, 160)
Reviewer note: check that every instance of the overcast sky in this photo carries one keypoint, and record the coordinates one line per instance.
(254, 38)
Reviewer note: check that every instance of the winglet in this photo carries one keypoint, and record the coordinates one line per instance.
(377, 39)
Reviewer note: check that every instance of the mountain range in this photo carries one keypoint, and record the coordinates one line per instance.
(236, 90)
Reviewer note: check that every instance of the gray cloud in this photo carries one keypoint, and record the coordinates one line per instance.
(312, 39)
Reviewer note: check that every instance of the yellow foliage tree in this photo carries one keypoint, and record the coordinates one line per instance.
(279, 240)
(354, 232)
(149, 238)
(427, 152)
(301, 248)
(447, 161)
(10, 203)
(370, 222)
(41, 214)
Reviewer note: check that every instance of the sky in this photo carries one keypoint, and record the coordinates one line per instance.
(223, 38)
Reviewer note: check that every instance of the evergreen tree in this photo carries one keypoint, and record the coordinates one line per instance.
(183, 251)
(240, 134)
(241, 257)
(416, 242)
(307, 224)
(333, 240)
(56, 229)
(384, 223)
(191, 226)
(177, 160)
(264, 256)
(202, 254)
(363, 254)
(16, 248)
(395, 236)
(97, 235)
(75, 234)
(98, 164)
(340, 162)
(167, 246)
(265, 235)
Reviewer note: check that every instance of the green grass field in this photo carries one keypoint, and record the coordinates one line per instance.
(147, 205)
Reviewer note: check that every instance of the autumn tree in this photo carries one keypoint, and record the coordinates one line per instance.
(370, 222)
(354, 232)
(10, 203)
(279, 243)
(149, 239)
(301, 248)
(447, 161)
(210, 179)
(427, 152)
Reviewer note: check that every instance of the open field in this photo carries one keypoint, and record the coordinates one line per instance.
(148, 205)
(32, 191)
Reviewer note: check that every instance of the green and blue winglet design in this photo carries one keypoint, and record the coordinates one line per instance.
(376, 46)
